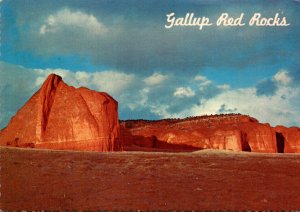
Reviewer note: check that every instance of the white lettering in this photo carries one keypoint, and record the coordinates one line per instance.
(188, 20)
(225, 20)
(258, 20)
(170, 20)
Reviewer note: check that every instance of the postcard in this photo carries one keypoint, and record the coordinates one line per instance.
(149, 105)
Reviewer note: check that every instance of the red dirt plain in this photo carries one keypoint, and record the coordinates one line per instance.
(35, 179)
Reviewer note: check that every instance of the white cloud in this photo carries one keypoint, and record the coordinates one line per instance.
(224, 87)
(73, 20)
(203, 81)
(200, 78)
(155, 79)
(161, 111)
(183, 92)
(278, 109)
(112, 82)
(282, 77)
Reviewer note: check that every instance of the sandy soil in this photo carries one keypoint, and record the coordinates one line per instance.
(58, 180)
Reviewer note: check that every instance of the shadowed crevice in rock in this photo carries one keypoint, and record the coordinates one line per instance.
(46, 98)
(245, 144)
(280, 141)
(246, 147)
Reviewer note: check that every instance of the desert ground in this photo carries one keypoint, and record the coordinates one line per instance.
(35, 179)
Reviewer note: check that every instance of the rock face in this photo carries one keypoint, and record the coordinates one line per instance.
(59, 116)
(231, 132)
(288, 139)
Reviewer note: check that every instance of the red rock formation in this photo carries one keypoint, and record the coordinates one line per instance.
(288, 139)
(59, 116)
(232, 132)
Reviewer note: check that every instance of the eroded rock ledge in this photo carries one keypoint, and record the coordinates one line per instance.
(229, 131)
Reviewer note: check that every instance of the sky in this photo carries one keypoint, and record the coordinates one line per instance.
(124, 49)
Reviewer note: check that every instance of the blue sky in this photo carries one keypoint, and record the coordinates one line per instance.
(123, 48)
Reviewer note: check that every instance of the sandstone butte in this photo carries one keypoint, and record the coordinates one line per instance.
(59, 116)
(230, 132)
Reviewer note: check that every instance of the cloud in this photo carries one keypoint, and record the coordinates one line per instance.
(223, 109)
(269, 87)
(278, 107)
(169, 98)
(182, 92)
(16, 87)
(275, 110)
(200, 78)
(66, 19)
(155, 79)
(224, 87)
(283, 77)
(203, 81)
(113, 82)
(266, 87)
(151, 71)
(131, 38)
(66, 32)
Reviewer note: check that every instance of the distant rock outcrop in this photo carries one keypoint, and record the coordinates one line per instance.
(230, 132)
(59, 116)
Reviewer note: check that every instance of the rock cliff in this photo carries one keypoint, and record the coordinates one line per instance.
(231, 132)
(59, 116)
